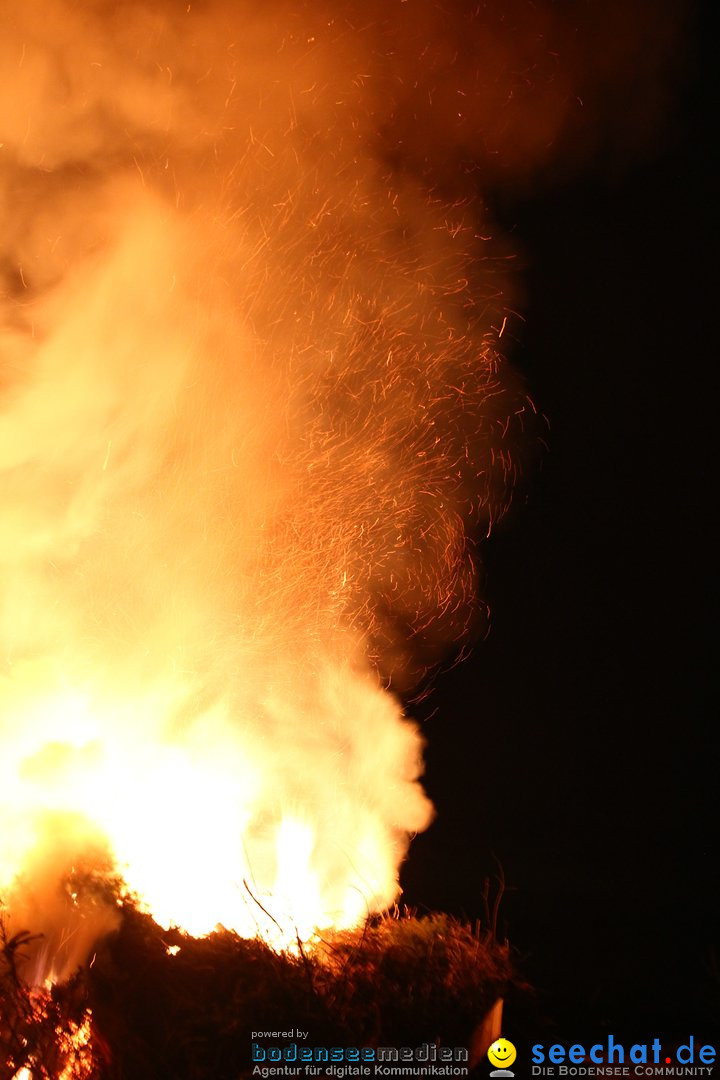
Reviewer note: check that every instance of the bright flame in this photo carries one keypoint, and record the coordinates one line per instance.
(248, 406)
(73, 1049)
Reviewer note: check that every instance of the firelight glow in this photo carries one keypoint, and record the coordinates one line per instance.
(249, 411)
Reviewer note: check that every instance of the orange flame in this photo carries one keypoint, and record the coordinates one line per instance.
(247, 410)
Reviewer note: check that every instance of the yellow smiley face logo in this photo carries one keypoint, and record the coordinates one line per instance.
(502, 1053)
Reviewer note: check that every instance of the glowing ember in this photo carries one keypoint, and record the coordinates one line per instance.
(73, 1051)
(248, 408)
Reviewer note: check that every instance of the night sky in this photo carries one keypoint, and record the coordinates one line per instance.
(576, 749)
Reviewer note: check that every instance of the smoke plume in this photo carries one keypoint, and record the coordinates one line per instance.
(253, 410)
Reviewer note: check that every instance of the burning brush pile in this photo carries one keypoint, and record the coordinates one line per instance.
(157, 1003)
(253, 409)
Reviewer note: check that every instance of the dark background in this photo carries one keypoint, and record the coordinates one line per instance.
(575, 751)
